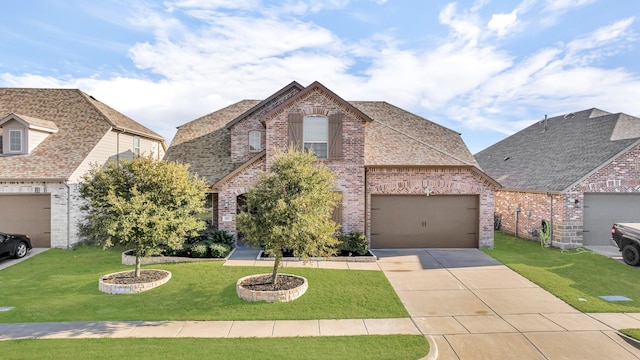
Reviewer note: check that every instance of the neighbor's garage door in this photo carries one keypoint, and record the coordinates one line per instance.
(419, 221)
(27, 214)
(601, 210)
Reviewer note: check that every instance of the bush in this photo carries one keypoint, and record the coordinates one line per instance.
(200, 250)
(219, 250)
(355, 242)
(221, 237)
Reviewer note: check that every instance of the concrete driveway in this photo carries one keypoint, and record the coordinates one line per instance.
(472, 307)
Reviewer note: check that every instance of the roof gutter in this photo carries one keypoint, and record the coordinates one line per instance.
(133, 132)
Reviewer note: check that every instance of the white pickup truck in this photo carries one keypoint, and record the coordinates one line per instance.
(626, 236)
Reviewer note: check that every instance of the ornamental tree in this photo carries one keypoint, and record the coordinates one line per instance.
(290, 209)
(142, 203)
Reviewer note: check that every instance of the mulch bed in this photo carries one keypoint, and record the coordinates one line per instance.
(128, 277)
(263, 283)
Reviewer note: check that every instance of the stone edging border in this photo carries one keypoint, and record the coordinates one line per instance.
(271, 296)
(131, 260)
(118, 289)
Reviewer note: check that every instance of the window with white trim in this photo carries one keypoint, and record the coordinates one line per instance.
(15, 140)
(316, 135)
(255, 140)
(136, 146)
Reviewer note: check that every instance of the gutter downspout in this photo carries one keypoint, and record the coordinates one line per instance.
(68, 214)
(518, 208)
(551, 220)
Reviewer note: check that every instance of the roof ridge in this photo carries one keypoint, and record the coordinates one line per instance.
(425, 144)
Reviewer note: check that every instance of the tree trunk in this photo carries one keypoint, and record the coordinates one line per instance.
(138, 254)
(276, 264)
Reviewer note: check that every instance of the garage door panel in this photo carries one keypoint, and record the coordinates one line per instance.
(418, 221)
(601, 210)
(27, 214)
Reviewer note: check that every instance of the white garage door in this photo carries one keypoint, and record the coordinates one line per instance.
(27, 214)
(419, 221)
(601, 210)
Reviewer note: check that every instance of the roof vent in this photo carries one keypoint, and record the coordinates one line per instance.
(569, 116)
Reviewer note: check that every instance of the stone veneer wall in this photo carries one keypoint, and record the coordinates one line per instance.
(349, 170)
(62, 236)
(438, 181)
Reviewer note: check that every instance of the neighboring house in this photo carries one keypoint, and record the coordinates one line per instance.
(405, 181)
(580, 172)
(48, 140)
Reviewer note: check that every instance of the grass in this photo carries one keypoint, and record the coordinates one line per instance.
(578, 277)
(634, 333)
(62, 285)
(348, 347)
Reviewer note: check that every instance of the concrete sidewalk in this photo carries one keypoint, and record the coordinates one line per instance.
(207, 329)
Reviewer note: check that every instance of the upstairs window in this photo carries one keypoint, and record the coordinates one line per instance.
(255, 141)
(316, 135)
(136, 146)
(322, 134)
(15, 141)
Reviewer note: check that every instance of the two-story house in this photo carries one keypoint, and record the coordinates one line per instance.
(405, 181)
(48, 139)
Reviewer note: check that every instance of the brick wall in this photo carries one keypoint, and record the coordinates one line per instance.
(229, 192)
(240, 152)
(620, 175)
(438, 181)
(349, 170)
(534, 208)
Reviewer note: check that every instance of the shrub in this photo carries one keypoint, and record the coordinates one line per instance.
(219, 250)
(200, 250)
(222, 237)
(355, 242)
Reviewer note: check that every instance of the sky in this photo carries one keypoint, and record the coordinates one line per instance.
(485, 69)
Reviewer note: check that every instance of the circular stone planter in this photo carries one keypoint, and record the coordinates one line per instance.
(271, 296)
(116, 289)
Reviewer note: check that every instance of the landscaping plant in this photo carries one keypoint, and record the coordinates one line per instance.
(290, 208)
(144, 203)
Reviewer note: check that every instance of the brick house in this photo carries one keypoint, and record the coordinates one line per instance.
(48, 140)
(405, 181)
(579, 172)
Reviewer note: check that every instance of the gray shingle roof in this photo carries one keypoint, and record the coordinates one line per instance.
(81, 122)
(552, 155)
(395, 137)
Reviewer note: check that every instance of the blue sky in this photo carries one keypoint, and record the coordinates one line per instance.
(483, 68)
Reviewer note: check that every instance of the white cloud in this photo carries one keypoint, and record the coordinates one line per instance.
(206, 59)
(564, 5)
(502, 23)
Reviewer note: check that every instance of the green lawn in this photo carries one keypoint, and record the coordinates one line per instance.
(62, 285)
(578, 277)
(348, 347)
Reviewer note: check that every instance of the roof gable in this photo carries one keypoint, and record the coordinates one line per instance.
(292, 86)
(552, 154)
(80, 120)
(316, 86)
(31, 122)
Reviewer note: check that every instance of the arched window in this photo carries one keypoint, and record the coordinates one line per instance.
(255, 140)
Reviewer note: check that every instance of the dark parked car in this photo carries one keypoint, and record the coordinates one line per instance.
(627, 238)
(12, 245)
